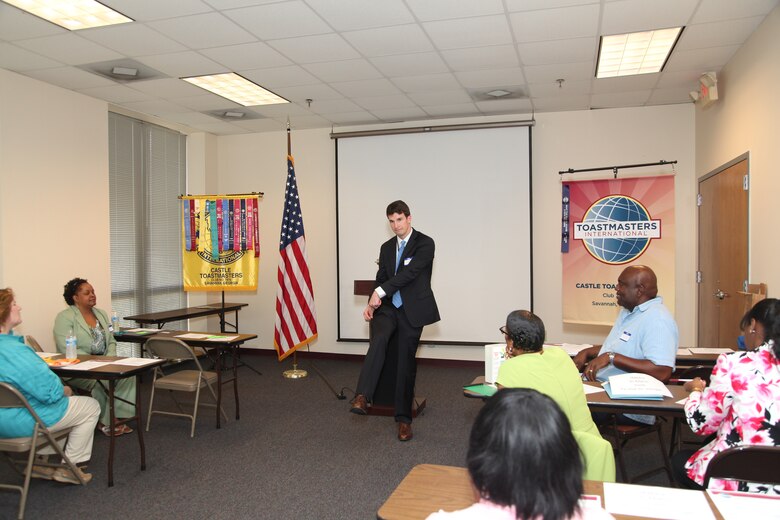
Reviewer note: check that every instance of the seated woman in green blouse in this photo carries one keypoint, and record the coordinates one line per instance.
(94, 336)
(552, 372)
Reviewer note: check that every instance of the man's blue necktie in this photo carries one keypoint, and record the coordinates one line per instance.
(397, 302)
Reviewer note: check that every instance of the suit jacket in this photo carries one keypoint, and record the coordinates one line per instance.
(71, 318)
(413, 277)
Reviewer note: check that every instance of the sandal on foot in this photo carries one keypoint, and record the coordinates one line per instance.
(106, 430)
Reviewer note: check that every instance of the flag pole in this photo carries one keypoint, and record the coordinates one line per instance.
(295, 373)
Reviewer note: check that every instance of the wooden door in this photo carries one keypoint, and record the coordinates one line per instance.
(723, 253)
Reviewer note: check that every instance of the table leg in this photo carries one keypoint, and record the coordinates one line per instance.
(112, 437)
(138, 426)
(235, 376)
(218, 368)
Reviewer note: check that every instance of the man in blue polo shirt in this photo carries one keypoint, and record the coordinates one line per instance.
(643, 339)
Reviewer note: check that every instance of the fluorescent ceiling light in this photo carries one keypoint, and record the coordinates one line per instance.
(72, 14)
(236, 88)
(635, 53)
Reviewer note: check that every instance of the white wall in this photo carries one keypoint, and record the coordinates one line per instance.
(53, 197)
(745, 119)
(560, 140)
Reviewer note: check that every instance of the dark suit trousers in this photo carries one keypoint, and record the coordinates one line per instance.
(387, 321)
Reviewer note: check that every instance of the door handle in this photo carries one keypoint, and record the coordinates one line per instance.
(720, 294)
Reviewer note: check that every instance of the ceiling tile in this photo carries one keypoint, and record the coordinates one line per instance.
(711, 58)
(234, 4)
(400, 114)
(16, 24)
(313, 49)
(147, 10)
(469, 32)
(18, 59)
(334, 106)
(300, 122)
(400, 39)
(427, 10)
(504, 106)
(192, 118)
(314, 92)
(558, 51)
(279, 111)
(291, 76)
(427, 82)
(640, 15)
(491, 78)
(717, 10)
(349, 15)
(346, 70)
(220, 128)
(157, 107)
(167, 88)
(673, 79)
(132, 39)
(256, 55)
(70, 78)
(568, 71)
(260, 125)
(717, 34)
(533, 5)
(561, 103)
(384, 102)
(352, 118)
(450, 97)
(281, 20)
(619, 99)
(189, 30)
(69, 48)
(625, 83)
(207, 102)
(556, 24)
(183, 64)
(567, 88)
(670, 96)
(410, 64)
(366, 88)
(116, 94)
(460, 109)
(477, 58)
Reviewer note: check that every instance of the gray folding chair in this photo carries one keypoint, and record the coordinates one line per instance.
(33, 343)
(759, 464)
(188, 380)
(10, 397)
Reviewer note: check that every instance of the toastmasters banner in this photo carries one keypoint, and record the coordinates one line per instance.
(613, 224)
(220, 242)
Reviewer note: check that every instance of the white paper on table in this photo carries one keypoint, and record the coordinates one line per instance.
(736, 506)
(140, 330)
(683, 352)
(86, 365)
(656, 502)
(50, 355)
(588, 389)
(573, 349)
(134, 361)
(192, 335)
(710, 350)
(222, 338)
(639, 385)
(589, 502)
(682, 401)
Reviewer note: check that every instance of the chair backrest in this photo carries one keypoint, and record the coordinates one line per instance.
(10, 397)
(33, 343)
(701, 371)
(759, 464)
(171, 349)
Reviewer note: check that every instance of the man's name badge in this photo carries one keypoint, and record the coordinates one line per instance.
(625, 336)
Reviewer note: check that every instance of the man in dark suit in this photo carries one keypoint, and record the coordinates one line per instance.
(402, 303)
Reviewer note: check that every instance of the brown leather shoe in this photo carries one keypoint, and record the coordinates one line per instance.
(359, 405)
(404, 431)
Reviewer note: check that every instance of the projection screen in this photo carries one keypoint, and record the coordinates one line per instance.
(470, 190)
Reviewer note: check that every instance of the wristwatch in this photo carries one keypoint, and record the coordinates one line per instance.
(612, 358)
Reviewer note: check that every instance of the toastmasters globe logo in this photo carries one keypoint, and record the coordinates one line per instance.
(616, 229)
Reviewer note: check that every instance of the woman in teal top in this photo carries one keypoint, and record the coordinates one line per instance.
(94, 336)
(552, 372)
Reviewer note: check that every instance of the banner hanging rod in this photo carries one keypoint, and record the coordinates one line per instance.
(615, 169)
(432, 128)
(259, 194)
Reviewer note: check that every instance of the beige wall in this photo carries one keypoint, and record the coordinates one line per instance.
(745, 119)
(53, 197)
(560, 140)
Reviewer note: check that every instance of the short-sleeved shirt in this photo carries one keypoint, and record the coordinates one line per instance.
(647, 332)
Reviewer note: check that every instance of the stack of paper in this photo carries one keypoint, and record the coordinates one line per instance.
(636, 386)
(494, 355)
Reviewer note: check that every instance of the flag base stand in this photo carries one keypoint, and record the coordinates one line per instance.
(295, 373)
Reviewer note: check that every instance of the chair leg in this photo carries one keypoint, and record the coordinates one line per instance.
(195, 411)
(151, 406)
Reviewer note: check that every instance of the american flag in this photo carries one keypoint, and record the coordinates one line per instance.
(296, 318)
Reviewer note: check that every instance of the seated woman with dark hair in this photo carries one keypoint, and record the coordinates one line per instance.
(94, 335)
(524, 462)
(552, 372)
(740, 405)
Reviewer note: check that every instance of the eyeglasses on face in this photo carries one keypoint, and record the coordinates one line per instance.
(503, 330)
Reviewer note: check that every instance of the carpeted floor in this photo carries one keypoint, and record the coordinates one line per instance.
(296, 452)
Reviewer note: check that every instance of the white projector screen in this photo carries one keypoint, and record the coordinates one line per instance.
(470, 190)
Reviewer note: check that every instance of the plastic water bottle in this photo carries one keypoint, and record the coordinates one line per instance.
(70, 345)
(114, 323)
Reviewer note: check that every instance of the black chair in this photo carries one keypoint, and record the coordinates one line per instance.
(759, 464)
(621, 434)
(700, 371)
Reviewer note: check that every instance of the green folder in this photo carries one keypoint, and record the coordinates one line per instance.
(483, 389)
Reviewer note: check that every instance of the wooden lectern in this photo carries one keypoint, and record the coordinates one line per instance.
(384, 394)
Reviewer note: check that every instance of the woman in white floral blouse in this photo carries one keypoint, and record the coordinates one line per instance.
(741, 404)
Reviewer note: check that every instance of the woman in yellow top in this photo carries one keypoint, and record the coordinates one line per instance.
(552, 372)
(94, 335)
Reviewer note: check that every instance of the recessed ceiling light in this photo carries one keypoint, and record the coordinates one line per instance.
(73, 14)
(237, 115)
(125, 71)
(635, 53)
(236, 88)
(498, 93)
